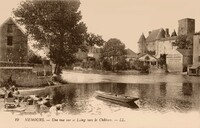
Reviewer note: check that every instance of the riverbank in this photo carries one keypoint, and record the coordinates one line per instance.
(102, 72)
(107, 77)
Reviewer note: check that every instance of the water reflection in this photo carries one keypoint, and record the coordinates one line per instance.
(58, 95)
(187, 89)
(163, 89)
(160, 97)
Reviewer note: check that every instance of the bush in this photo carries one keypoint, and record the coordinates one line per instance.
(139, 65)
(107, 65)
(35, 59)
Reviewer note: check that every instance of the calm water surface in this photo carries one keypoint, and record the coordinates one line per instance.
(156, 98)
(165, 101)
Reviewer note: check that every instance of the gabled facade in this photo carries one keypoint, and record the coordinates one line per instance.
(148, 59)
(152, 38)
(13, 43)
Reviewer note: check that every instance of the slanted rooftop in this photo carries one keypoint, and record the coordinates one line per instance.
(156, 34)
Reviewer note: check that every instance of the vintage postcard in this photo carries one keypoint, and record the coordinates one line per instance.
(99, 64)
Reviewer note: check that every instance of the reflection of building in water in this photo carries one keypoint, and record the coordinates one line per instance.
(196, 96)
(162, 97)
(187, 89)
(119, 88)
(151, 97)
(169, 97)
(163, 90)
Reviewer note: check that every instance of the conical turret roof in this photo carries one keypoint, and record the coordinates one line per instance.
(142, 38)
(173, 33)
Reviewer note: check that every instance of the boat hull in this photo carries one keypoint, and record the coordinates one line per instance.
(116, 98)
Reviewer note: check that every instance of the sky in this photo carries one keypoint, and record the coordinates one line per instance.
(126, 20)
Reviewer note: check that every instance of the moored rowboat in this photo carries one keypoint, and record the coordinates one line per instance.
(114, 97)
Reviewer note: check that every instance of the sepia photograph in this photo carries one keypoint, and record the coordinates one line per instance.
(99, 64)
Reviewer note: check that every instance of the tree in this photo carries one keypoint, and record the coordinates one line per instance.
(139, 65)
(34, 58)
(55, 25)
(184, 41)
(122, 64)
(113, 49)
(106, 65)
(93, 39)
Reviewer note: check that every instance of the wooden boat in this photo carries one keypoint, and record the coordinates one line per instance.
(11, 105)
(116, 98)
(15, 109)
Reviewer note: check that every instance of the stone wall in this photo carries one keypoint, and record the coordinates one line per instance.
(23, 76)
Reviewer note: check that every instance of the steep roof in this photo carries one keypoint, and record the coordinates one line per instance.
(142, 38)
(7, 20)
(156, 34)
(173, 33)
(130, 53)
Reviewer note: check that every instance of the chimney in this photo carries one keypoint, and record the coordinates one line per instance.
(149, 32)
(167, 33)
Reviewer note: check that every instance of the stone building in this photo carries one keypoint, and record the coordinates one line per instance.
(14, 55)
(13, 43)
(160, 43)
(186, 26)
(195, 68)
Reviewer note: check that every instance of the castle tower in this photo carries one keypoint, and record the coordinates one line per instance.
(142, 44)
(186, 26)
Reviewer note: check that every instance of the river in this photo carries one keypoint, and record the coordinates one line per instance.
(165, 101)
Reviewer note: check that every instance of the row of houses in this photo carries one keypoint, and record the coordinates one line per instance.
(159, 44)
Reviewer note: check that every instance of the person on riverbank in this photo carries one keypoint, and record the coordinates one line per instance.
(10, 94)
(57, 109)
(16, 93)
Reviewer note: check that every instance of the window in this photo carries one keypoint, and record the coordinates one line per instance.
(9, 40)
(9, 60)
(147, 58)
(193, 71)
(10, 28)
(199, 58)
